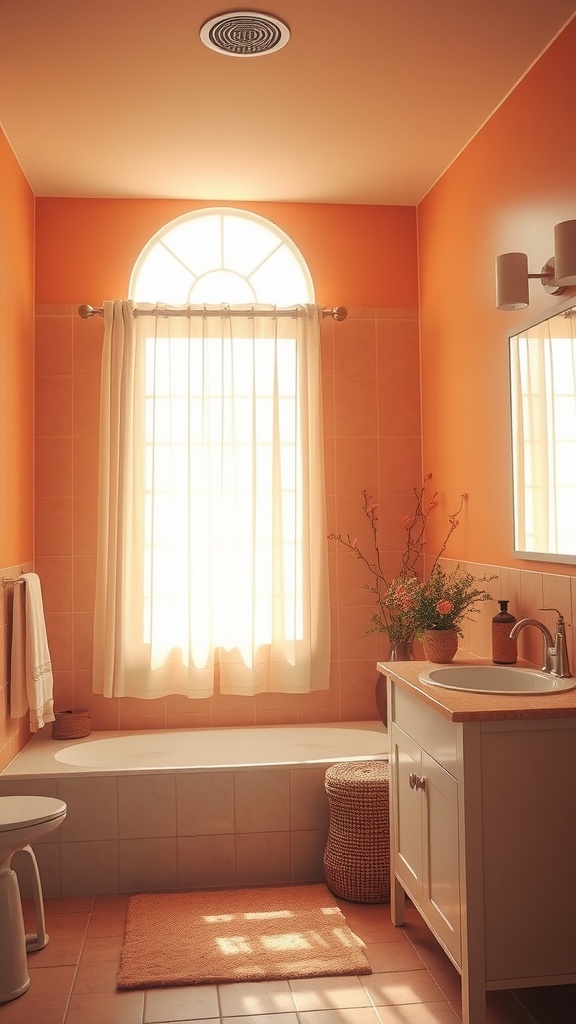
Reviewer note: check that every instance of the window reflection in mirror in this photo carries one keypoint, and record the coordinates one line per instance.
(543, 406)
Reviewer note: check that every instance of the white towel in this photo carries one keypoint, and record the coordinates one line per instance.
(31, 669)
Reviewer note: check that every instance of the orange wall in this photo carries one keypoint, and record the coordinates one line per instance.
(16, 358)
(505, 192)
(16, 409)
(357, 255)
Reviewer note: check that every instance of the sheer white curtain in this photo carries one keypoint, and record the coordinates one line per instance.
(212, 550)
(543, 374)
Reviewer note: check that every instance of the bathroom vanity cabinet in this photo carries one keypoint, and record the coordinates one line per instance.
(483, 829)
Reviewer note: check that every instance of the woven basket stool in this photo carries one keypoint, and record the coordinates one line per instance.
(357, 854)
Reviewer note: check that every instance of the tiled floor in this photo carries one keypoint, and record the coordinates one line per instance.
(73, 980)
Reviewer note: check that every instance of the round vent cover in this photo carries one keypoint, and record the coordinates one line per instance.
(245, 34)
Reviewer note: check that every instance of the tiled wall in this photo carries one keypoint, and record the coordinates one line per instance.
(527, 592)
(372, 432)
(206, 829)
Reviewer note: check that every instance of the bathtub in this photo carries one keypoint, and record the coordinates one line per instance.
(155, 810)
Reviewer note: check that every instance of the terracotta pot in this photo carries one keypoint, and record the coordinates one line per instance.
(440, 645)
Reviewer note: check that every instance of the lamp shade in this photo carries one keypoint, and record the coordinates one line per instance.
(565, 253)
(512, 280)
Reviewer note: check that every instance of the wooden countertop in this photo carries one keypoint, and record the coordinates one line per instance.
(460, 706)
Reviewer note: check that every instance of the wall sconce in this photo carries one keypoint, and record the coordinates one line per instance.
(557, 274)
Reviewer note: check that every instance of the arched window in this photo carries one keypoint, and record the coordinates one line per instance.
(221, 255)
(212, 552)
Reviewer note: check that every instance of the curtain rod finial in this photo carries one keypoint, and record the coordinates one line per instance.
(86, 312)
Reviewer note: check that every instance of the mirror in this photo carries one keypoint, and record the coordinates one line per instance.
(543, 413)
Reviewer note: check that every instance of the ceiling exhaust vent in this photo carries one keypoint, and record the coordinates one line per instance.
(244, 34)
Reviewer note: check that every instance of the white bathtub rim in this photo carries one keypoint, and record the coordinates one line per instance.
(45, 757)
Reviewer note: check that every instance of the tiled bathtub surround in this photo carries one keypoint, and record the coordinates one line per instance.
(182, 830)
(165, 811)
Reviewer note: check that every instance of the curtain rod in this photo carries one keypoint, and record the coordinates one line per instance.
(337, 313)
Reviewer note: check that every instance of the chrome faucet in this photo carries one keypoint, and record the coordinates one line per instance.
(556, 660)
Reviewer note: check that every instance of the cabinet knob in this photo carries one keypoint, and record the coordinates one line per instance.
(416, 781)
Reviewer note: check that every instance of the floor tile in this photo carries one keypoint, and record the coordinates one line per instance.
(418, 1013)
(45, 1001)
(342, 1015)
(328, 993)
(263, 1018)
(374, 929)
(66, 934)
(63, 904)
(114, 901)
(96, 976)
(106, 923)
(259, 997)
(402, 987)
(429, 950)
(102, 948)
(392, 956)
(185, 1002)
(61, 923)
(106, 1008)
(448, 981)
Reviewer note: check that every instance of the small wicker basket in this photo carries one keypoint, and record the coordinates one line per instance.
(71, 725)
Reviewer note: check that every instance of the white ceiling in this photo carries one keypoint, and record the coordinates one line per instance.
(369, 102)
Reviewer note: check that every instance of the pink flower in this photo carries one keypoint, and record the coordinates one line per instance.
(444, 607)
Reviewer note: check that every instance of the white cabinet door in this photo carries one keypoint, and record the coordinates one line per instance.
(406, 757)
(441, 870)
(426, 854)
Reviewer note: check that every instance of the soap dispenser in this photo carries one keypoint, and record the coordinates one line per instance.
(504, 648)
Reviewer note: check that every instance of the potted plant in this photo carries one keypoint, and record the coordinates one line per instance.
(406, 607)
(440, 605)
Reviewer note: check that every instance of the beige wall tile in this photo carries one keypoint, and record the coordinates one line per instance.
(263, 858)
(88, 868)
(148, 865)
(146, 806)
(206, 861)
(205, 803)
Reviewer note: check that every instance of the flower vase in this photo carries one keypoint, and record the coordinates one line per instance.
(440, 645)
(381, 695)
(400, 650)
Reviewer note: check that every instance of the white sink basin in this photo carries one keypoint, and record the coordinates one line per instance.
(495, 679)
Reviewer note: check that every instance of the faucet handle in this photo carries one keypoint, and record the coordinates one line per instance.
(559, 653)
(558, 613)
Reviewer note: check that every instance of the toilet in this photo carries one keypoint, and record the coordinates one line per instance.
(23, 820)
